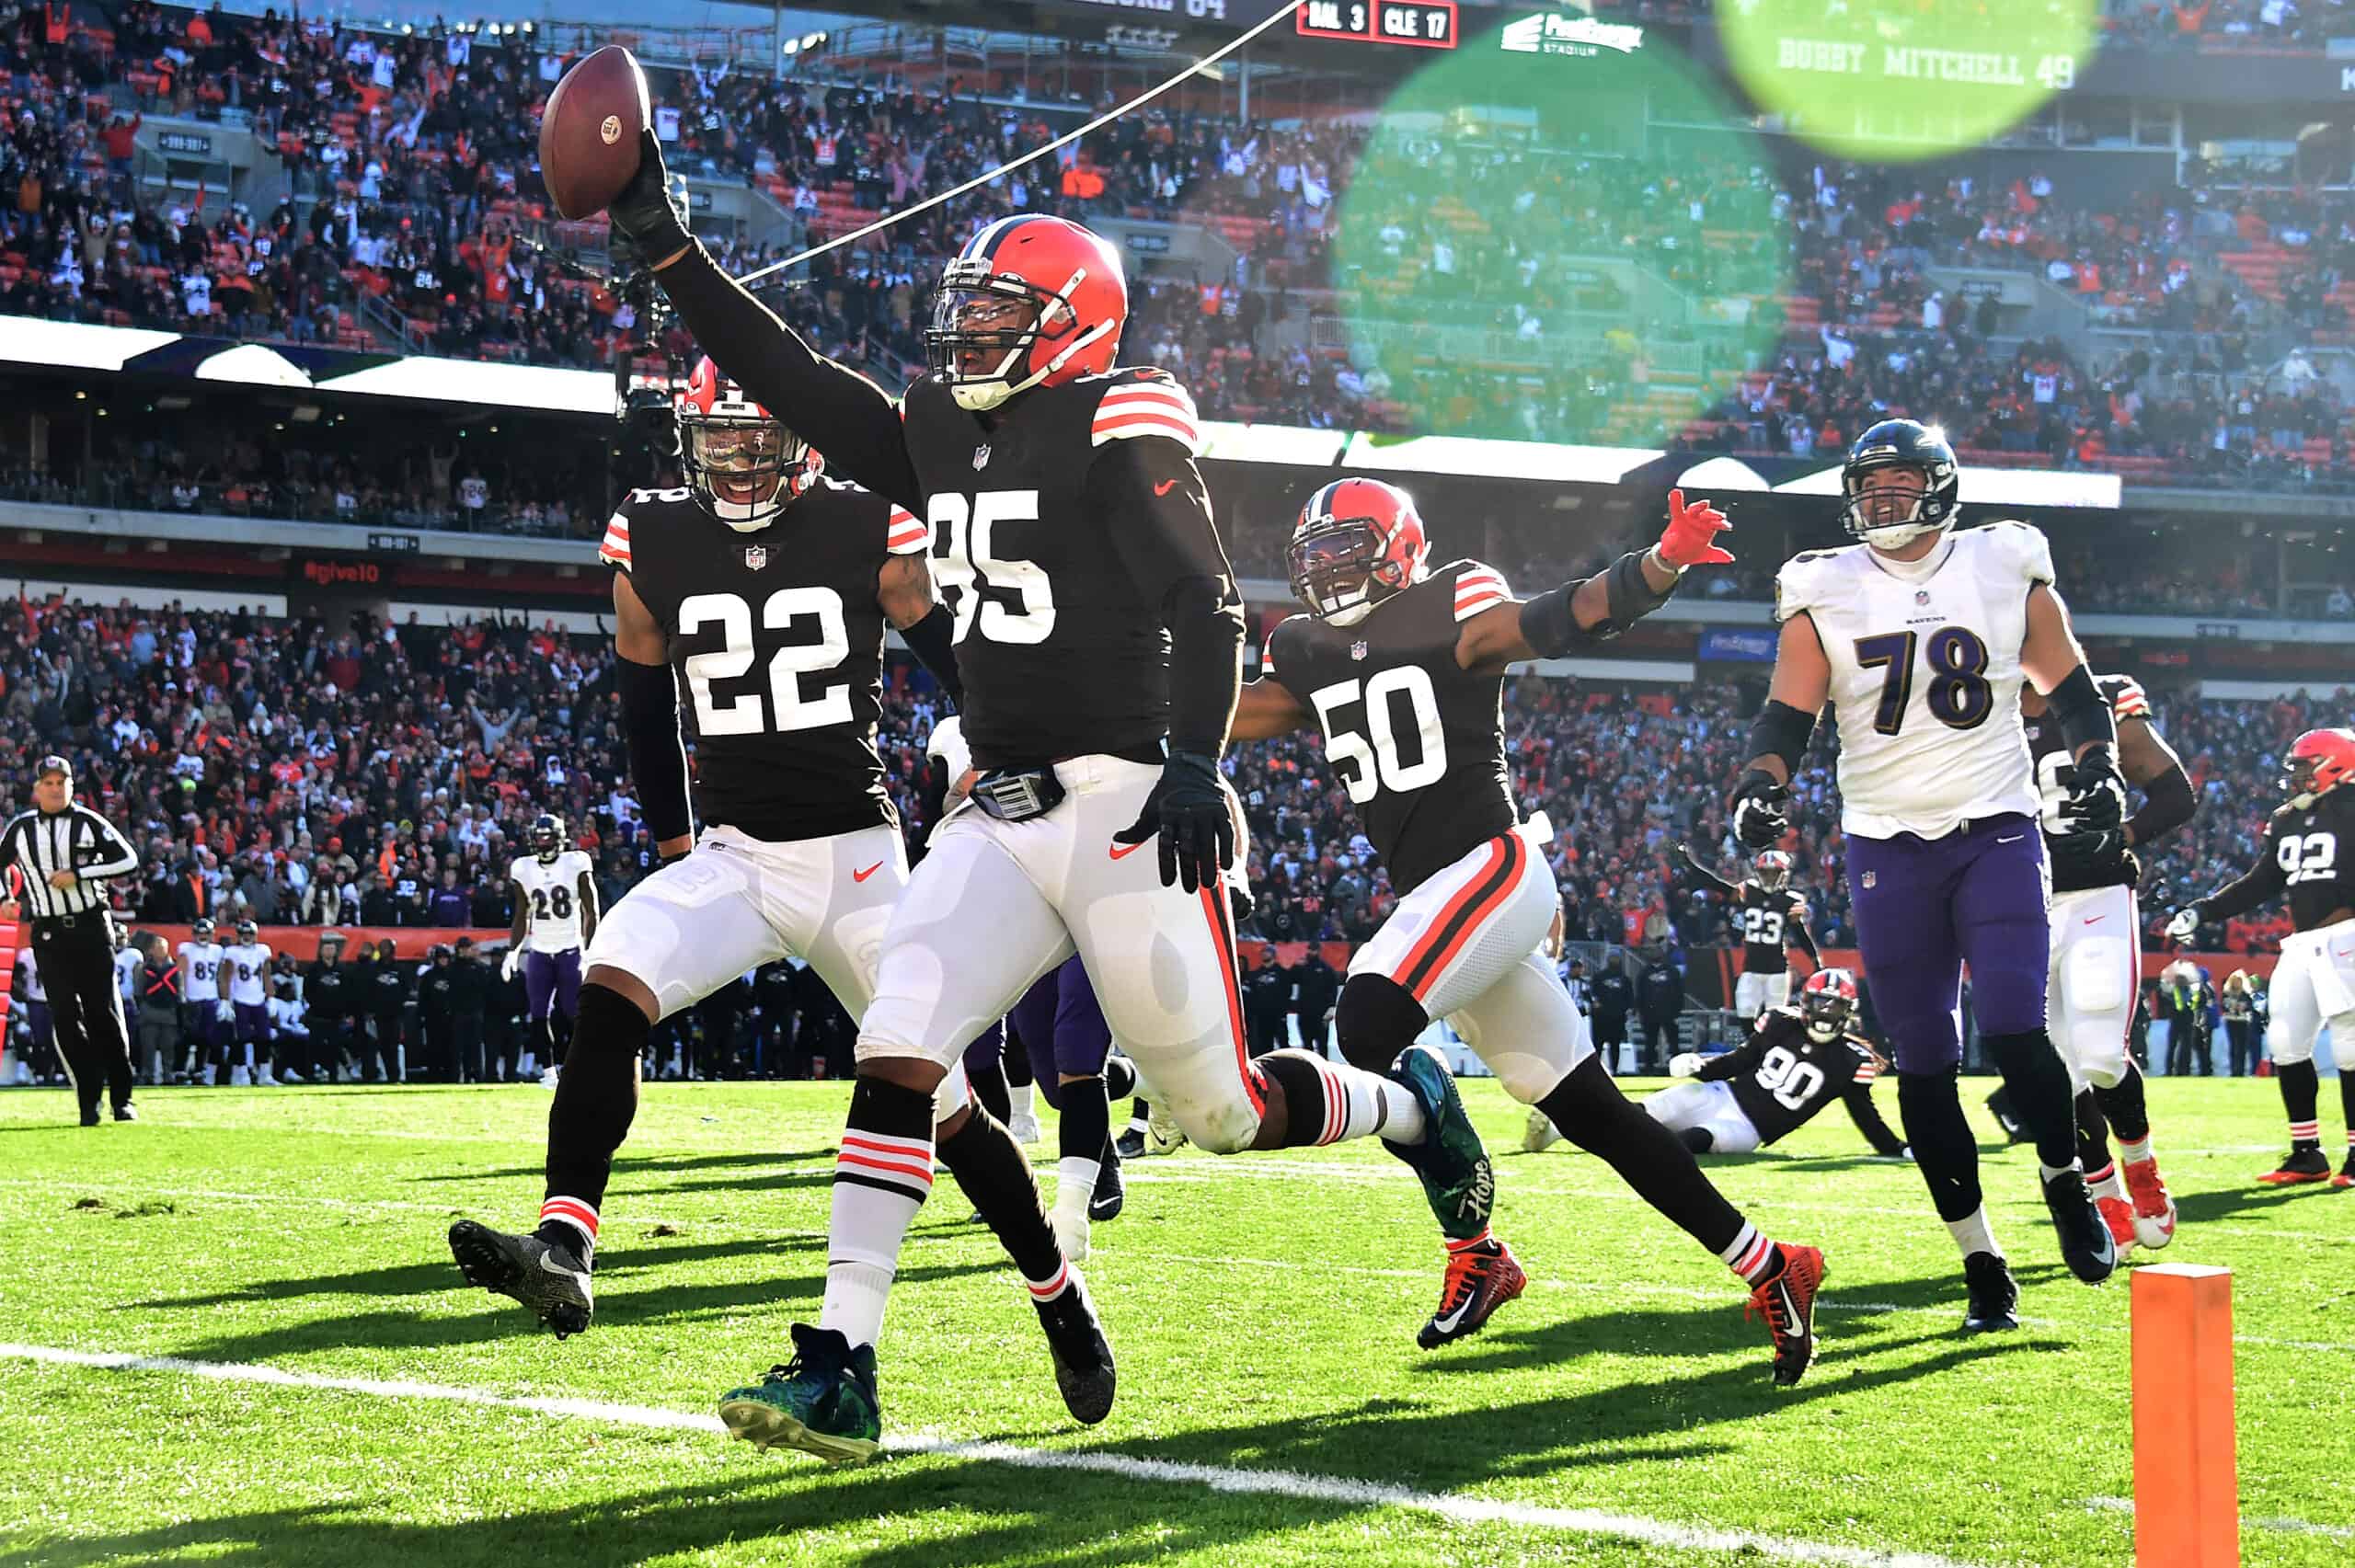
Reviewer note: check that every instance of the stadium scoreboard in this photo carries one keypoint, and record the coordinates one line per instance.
(1423, 24)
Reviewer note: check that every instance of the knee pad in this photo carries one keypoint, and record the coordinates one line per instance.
(2280, 1039)
(1698, 1140)
(1377, 1018)
(1302, 1078)
(2096, 1050)
(2093, 975)
(609, 1022)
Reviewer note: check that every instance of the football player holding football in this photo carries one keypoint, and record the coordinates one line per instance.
(2310, 857)
(1098, 635)
(760, 589)
(1401, 665)
(1921, 635)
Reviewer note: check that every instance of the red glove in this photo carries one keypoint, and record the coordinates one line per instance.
(1692, 534)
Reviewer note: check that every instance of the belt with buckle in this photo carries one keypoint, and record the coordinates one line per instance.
(1017, 795)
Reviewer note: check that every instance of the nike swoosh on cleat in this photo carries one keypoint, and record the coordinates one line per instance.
(549, 1265)
(1163, 487)
(863, 875)
(1445, 1322)
(1122, 851)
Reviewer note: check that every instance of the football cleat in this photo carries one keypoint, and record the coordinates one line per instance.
(1162, 1133)
(1130, 1145)
(551, 1280)
(126, 1112)
(1112, 1193)
(2304, 1165)
(1539, 1133)
(1083, 1356)
(2153, 1207)
(2119, 1215)
(1786, 1300)
(2085, 1242)
(2346, 1177)
(1450, 1161)
(1993, 1304)
(1999, 1106)
(822, 1401)
(1480, 1278)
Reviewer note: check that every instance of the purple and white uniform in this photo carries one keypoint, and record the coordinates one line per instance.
(550, 891)
(1938, 788)
(248, 966)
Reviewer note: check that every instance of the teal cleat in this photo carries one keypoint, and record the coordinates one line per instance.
(822, 1401)
(1458, 1181)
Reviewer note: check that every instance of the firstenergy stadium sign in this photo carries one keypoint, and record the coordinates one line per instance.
(1552, 32)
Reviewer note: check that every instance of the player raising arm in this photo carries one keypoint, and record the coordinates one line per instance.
(1098, 635)
(1772, 918)
(1402, 668)
(2310, 856)
(1921, 636)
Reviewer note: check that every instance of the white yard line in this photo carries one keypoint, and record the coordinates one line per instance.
(2278, 1522)
(1454, 1508)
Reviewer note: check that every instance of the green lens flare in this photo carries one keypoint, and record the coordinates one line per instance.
(1896, 84)
(1564, 237)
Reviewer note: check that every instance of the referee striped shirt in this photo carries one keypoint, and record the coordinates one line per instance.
(78, 840)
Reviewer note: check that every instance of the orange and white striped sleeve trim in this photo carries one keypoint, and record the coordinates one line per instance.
(1480, 588)
(907, 535)
(1158, 406)
(615, 548)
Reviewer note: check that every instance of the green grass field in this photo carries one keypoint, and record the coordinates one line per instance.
(1273, 1407)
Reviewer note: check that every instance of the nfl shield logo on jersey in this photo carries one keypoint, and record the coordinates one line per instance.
(1921, 596)
(755, 556)
(1872, 879)
(981, 458)
(1357, 649)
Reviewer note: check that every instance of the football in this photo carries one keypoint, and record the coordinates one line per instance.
(589, 134)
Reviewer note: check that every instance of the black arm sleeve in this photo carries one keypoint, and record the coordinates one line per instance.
(932, 640)
(1165, 535)
(1804, 937)
(846, 417)
(1858, 1098)
(1711, 877)
(2261, 883)
(2167, 804)
(657, 759)
(1732, 1064)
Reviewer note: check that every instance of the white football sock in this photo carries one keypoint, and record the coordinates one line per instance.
(1971, 1235)
(879, 1184)
(1018, 1099)
(1075, 1183)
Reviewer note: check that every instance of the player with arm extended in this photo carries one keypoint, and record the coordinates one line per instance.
(1098, 635)
(2096, 971)
(760, 589)
(1797, 1061)
(1921, 635)
(556, 917)
(1771, 917)
(2309, 855)
(1402, 668)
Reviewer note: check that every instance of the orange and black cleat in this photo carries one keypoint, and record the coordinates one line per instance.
(1786, 1299)
(2346, 1177)
(1482, 1275)
(2307, 1164)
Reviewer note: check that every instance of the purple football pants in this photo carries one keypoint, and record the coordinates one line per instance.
(552, 977)
(1925, 907)
(1058, 1025)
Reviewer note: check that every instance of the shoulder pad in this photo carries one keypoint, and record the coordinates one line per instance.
(1144, 402)
(1477, 587)
(2022, 545)
(1800, 585)
(1268, 648)
(2124, 694)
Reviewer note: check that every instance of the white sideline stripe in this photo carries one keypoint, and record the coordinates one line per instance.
(106, 1183)
(2277, 1522)
(1218, 1478)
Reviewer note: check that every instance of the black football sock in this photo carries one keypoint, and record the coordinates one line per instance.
(1017, 1068)
(2301, 1097)
(1929, 1104)
(1086, 1117)
(2346, 1105)
(2093, 1137)
(994, 1176)
(559, 1039)
(1592, 1113)
(1139, 1115)
(2122, 1106)
(988, 1079)
(596, 1097)
(2041, 1097)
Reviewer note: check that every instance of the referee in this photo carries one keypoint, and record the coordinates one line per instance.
(64, 854)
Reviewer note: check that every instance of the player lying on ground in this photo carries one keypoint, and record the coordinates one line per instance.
(2310, 856)
(556, 917)
(1921, 636)
(1099, 637)
(765, 587)
(1402, 669)
(1797, 1061)
(2096, 961)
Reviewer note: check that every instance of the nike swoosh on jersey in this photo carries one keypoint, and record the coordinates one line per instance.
(2093, 920)
(2015, 838)
(1122, 851)
(1165, 488)
(863, 875)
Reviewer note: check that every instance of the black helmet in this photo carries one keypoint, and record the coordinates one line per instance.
(202, 929)
(1902, 443)
(546, 836)
(247, 930)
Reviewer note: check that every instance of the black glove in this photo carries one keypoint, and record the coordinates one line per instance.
(2089, 859)
(1759, 820)
(1190, 811)
(644, 213)
(2096, 799)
